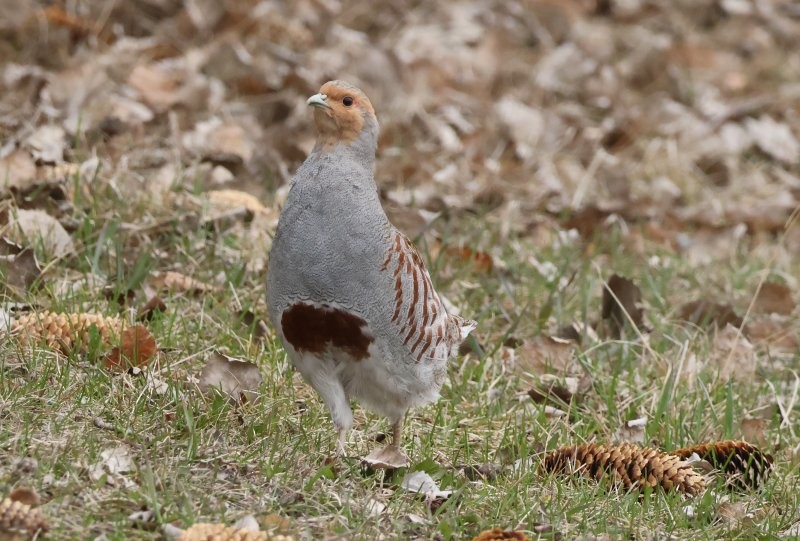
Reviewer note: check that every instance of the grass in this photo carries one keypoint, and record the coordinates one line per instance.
(199, 457)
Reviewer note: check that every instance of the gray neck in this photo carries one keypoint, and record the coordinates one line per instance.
(362, 149)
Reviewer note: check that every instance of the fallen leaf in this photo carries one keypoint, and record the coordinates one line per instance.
(25, 495)
(774, 139)
(221, 143)
(546, 354)
(478, 472)
(19, 268)
(248, 523)
(390, 457)
(706, 313)
(754, 431)
(151, 308)
(225, 200)
(632, 431)
(176, 281)
(772, 333)
(480, 261)
(733, 355)
(374, 508)
(237, 379)
(114, 460)
(773, 298)
(144, 519)
(162, 85)
(622, 304)
(47, 144)
(137, 347)
(17, 171)
(419, 482)
(36, 226)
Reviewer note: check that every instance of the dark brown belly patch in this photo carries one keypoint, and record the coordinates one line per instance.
(317, 328)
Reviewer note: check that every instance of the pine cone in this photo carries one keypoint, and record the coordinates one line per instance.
(628, 465)
(65, 331)
(20, 518)
(498, 534)
(220, 532)
(745, 465)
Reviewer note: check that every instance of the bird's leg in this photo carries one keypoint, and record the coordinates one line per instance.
(397, 432)
(341, 438)
(392, 456)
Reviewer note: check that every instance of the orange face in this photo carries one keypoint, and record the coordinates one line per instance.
(340, 112)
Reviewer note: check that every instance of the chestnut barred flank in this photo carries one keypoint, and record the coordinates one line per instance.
(744, 465)
(626, 465)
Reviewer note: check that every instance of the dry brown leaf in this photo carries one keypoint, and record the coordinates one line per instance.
(773, 298)
(709, 314)
(390, 457)
(776, 335)
(754, 430)
(137, 347)
(36, 226)
(733, 355)
(774, 139)
(236, 378)
(150, 308)
(176, 281)
(47, 144)
(25, 495)
(162, 85)
(224, 200)
(19, 268)
(622, 304)
(17, 170)
(546, 354)
(480, 261)
(220, 142)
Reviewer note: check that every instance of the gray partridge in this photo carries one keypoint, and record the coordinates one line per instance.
(348, 293)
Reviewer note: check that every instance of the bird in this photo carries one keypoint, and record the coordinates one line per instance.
(347, 292)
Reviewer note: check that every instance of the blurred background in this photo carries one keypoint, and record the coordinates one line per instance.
(540, 115)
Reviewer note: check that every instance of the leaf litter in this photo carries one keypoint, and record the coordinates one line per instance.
(175, 107)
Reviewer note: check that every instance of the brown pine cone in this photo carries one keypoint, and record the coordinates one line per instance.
(219, 532)
(627, 465)
(745, 465)
(20, 518)
(65, 331)
(498, 534)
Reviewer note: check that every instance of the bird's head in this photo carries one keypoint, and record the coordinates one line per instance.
(343, 115)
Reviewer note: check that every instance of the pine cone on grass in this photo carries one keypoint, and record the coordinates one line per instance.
(626, 465)
(66, 331)
(219, 532)
(498, 534)
(745, 465)
(19, 520)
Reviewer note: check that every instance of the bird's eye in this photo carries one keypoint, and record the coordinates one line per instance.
(348, 101)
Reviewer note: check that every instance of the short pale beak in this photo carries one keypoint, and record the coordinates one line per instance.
(318, 100)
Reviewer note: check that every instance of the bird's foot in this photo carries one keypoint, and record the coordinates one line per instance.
(390, 457)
